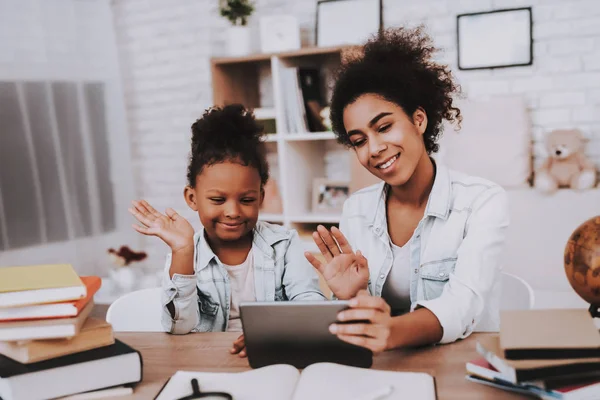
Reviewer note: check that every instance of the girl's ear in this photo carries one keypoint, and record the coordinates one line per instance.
(189, 194)
(420, 120)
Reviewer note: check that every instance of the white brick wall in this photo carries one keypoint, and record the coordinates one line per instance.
(165, 49)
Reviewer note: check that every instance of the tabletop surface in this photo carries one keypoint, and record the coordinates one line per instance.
(163, 354)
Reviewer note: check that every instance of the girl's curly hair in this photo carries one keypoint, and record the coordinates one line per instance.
(223, 134)
(397, 65)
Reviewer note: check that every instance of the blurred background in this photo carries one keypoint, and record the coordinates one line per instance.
(97, 98)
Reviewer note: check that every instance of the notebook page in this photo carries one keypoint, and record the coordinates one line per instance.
(275, 382)
(326, 381)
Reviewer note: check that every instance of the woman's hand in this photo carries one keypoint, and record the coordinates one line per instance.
(374, 334)
(344, 271)
(172, 228)
(239, 347)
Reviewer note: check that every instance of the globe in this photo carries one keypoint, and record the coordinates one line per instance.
(582, 262)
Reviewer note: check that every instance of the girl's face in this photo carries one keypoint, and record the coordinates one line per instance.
(387, 141)
(227, 198)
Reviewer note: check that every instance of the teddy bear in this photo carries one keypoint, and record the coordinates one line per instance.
(566, 165)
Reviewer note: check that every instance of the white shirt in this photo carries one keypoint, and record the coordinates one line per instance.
(455, 252)
(241, 279)
(396, 289)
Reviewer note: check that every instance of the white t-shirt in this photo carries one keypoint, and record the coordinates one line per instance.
(396, 289)
(241, 279)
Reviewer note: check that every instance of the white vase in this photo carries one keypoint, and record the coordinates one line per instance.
(124, 278)
(238, 40)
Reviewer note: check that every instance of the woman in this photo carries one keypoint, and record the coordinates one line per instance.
(419, 253)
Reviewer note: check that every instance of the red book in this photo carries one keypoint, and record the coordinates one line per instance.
(66, 309)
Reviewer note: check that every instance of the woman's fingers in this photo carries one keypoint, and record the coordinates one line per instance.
(322, 246)
(364, 300)
(371, 336)
(316, 263)
(376, 345)
(360, 314)
(328, 240)
(364, 329)
(341, 240)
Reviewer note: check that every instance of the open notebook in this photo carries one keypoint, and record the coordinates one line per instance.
(324, 381)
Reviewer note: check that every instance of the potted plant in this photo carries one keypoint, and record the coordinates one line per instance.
(238, 37)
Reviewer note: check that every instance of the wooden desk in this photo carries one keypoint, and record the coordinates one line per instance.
(163, 354)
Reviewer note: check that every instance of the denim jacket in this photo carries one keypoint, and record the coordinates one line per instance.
(455, 251)
(202, 300)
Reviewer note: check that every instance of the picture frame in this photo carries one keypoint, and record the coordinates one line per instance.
(347, 22)
(279, 33)
(495, 39)
(328, 196)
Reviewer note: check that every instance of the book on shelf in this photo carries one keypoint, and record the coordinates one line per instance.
(57, 328)
(53, 310)
(99, 368)
(317, 381)
(515, 371)
(548, 334)
(94, 333)
(39, 284)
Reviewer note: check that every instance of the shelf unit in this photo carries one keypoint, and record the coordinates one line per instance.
(300, 155)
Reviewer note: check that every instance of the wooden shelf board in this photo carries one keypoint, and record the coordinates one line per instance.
(292, 137)
(259, 57)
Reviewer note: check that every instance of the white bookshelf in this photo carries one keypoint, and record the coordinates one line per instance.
(300, 156)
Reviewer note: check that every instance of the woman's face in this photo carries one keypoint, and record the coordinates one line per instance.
(387, 141)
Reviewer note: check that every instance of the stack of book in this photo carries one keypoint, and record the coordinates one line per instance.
(549, 354)
(49, 346)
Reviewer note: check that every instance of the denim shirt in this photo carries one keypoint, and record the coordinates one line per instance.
(202, 301)
(455, 251)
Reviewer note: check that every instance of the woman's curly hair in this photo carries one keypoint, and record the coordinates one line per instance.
(397, 65)
(223, 134)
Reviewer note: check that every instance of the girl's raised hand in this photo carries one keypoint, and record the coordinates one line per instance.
(172, 228)
(344, 271)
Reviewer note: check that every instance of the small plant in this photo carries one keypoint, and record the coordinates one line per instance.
(236, 11)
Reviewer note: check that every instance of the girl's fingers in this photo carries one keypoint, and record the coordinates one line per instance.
(144, 230)
(151, 209)
(328, 240)
(139, 207)
(172, 214)
(318, 265)
(322, 247)
(341, 240)
(140, 217)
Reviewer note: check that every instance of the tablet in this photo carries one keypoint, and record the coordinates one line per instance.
(297, 333)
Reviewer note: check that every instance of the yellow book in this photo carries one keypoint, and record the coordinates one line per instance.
(38, 284)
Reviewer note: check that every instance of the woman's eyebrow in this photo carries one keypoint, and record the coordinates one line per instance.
(372, 122)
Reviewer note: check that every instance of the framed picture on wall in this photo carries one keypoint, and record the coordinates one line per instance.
(347, 22)
(329, 196)
(495, 39)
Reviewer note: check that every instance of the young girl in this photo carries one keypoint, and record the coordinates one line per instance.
(234, 257)
(428, 240)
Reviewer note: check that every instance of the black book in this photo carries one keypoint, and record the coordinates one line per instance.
(99, 368)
